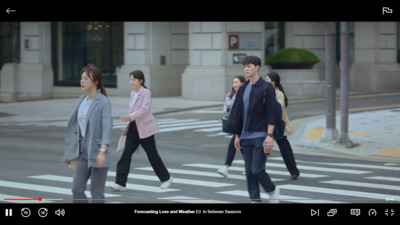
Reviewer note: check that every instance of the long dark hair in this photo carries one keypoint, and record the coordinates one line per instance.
(95, 74)
(274, 76)
(138, 74)
(242, 80)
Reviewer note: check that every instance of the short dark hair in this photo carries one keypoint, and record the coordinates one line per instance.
(252, 60)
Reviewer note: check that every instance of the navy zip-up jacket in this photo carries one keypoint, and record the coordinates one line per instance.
(259, 115)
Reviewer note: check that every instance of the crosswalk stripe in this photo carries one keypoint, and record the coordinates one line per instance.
(332, 191)
(208, 174)
(177, 124)
(396, 179)
(210, 130)
(362, 184)
(195, 173)
(108, 183)
(174, 121)
(187, 127)
(274, 162)
(209, 111)
(285, 198)
(43, 188)
(324, 169)
(241, 169)
(320, 169)
(122, 126)
(166, 125)
(176, 180)
(56, 123)
(185, 199)
(365, 166)
(219, 134)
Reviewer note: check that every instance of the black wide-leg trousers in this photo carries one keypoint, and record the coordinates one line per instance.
(149, 145)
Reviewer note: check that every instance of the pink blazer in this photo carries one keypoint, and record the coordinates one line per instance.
(142, 114)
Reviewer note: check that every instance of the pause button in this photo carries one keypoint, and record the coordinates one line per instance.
(8, 212)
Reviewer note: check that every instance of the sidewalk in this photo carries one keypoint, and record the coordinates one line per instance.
(376, 132)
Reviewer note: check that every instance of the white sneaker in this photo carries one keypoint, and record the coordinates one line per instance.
(166, 184)
(117, 187)
(274, 196)
(223, 171)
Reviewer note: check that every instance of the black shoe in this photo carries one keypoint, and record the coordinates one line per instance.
(294, 177)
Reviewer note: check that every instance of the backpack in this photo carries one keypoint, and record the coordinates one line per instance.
(279, 129)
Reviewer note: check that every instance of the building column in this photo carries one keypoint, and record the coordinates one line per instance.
(160, 50)
(375, 67)
(211, 60)
(306, 82)
(32, 78)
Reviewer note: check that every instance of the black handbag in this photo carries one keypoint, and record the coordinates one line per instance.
(224, 120)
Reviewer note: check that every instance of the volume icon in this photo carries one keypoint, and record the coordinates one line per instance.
(60, 212)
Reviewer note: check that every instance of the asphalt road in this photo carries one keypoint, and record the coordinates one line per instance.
(193, 148)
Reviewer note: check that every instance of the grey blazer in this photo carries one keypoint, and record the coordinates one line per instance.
(98, 130)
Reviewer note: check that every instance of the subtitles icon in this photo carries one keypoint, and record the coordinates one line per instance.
(386, 10)
(355, 212)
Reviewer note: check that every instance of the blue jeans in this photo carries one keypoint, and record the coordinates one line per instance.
(254, 163)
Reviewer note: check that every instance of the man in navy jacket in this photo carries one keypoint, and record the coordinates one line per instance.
(253, 121)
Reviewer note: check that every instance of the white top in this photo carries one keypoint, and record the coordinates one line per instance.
(82, 112)
(229, 102)
(135, 96)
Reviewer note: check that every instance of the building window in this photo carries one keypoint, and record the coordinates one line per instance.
(274, 37)
(78, 44)
(9, 43)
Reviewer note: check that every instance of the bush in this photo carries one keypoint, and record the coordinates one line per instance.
(292, 58)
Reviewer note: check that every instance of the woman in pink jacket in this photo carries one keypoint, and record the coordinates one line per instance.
(140, 130)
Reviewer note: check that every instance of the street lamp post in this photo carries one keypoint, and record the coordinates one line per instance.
(344, 86)
(330, 132)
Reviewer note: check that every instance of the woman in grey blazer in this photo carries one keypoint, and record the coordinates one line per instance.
(88, 136)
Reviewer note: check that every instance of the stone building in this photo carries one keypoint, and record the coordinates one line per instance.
(195, 60)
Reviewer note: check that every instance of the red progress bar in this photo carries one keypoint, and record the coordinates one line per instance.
(23, 199)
